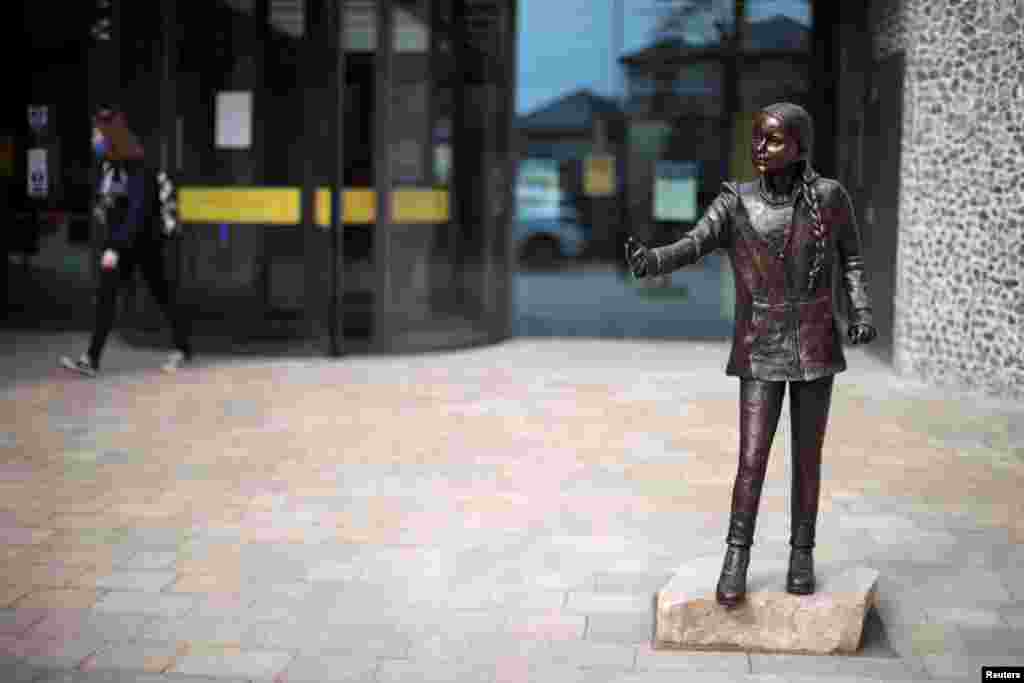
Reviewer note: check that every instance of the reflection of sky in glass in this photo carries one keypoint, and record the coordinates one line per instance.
(566, 45)
(799, 10)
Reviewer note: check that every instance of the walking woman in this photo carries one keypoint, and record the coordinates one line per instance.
(784, 232)
(128, 207)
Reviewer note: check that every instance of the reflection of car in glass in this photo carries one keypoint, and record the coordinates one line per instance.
(544, 241)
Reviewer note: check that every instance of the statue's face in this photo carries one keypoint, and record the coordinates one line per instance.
(772, 147)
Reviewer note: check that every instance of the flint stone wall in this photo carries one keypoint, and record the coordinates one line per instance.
(959, 300)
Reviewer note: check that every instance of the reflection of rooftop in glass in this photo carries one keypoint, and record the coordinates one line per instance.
(778, 32)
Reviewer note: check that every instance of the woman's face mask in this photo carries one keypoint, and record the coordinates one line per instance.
(100, 145)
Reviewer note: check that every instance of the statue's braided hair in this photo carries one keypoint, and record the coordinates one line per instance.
(797, 121)
(817, 230)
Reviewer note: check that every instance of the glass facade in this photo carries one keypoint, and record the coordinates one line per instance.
(489, 162)
(669, 89)
(265, 108)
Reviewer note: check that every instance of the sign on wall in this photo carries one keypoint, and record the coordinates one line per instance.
(38, 174)
(538, 190)
(234, 120)
(675, 190)
(599, 175)
(38, 118)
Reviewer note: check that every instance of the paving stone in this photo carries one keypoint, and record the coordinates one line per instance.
(147, 581)
(842, 678)
(237, 663)
(715, 677)
(457, 640)
(631, 583)
(951, 665)
(897, 613)
(964, 616)
(974, 663)
(429, 671)
(169, 538)
(67, 653)
(147, 656)
(791, 664)
(148, 559)
(90, 625)
(524, 672)
(163, 605)
(877, 668)
(553, 625)
(620, 628)
(120, 457)
(604, 603)
(649, 659)
(24, 535)
(368, 640)
(992, 640)
(58, 598)
(1013, 615)
(968, 587)
(18, 671)
(330, 669)
(586, 654)
(1013, 580)
(14, 622)
(512, 597)
(114, 676)
(937, 639)
(226, 630)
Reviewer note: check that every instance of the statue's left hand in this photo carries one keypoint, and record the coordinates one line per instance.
(861, 334)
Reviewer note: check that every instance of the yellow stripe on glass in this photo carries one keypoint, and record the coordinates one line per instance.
(282, 205)
(360, 207)
(277, 205)
(415, 205)
(408, 205)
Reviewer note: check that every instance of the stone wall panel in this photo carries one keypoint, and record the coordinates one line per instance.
(959, 304)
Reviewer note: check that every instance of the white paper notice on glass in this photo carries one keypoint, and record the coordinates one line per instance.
(38, 174)
(675, 191)
(234, 120)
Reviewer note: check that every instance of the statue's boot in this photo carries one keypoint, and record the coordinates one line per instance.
(800, 577)
(732, 583)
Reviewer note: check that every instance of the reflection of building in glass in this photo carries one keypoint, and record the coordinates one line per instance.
(429, 156)
(560, 137)
(688, 102)
(266, 111)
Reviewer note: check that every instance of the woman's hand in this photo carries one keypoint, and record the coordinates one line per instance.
(861, 334)
(109, 260)
(638, 257)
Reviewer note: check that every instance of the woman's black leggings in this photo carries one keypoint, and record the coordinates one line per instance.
(760, 406)
(148, 256)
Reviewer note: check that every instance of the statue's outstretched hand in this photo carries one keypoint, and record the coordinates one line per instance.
(861, 334)
(638, 257)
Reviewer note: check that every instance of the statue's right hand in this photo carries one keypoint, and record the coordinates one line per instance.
(638, 257)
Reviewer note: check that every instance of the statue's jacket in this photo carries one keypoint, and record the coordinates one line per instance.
(785, 323)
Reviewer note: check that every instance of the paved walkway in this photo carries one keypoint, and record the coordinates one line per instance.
(501, 515)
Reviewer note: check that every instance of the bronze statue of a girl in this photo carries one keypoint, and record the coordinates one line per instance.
(784, 233)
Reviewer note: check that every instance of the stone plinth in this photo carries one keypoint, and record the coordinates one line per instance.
(830, 621)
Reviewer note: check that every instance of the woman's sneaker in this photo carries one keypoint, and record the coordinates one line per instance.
(82, 366)
(175, 361)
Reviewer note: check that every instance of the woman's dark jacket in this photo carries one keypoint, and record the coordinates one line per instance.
(126, 195)
(785, 324)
